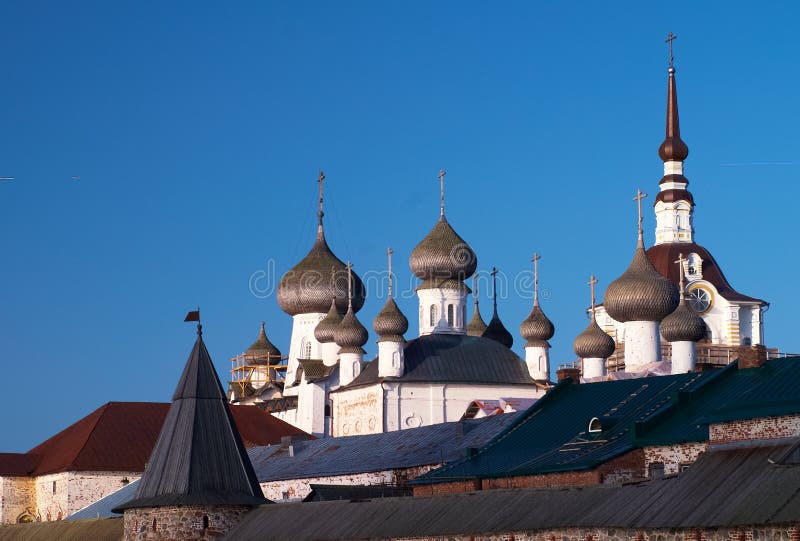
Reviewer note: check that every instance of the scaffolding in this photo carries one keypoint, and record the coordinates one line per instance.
(250, 372)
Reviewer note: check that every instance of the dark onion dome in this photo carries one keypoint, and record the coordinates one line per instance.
(390, 323)
(326, 328)
(262, 351)
(673, 148)
(641, 293)
(593, 343)
(537, 329)
(497, 331)
(683, 325)
(350, 335)
(442, 255)
(307, 287)
(476, 326)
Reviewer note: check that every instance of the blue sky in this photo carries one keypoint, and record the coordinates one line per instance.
(197, 130)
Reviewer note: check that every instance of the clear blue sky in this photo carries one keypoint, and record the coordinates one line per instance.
(198, 128)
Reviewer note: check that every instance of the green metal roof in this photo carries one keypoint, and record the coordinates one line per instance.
(553, 435)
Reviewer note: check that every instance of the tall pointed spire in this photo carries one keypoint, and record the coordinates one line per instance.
(199, 458)
(673, 149)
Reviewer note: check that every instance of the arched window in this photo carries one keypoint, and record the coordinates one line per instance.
(154, 525)
(395, 359)
(434, 314)
(450, 314)
(305, 349)
(205, 522)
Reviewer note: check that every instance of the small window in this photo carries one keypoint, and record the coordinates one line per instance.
(205, 522)
(684, 467)
(305, 347)
(434, 312)
(285, 495)
(327, 409)
(656, 470)
(450, 314)
(154, 525)
(54, 487)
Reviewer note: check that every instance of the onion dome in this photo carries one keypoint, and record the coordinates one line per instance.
(496, 330)
(476, 326)
(683, 325)
(537, 329)
(262, 351)
(443, 256)
(350, 335)
(325, 329)
(593, 343)
(390, 323)
(641, 293)
(673, 148)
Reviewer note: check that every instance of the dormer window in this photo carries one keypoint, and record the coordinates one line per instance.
(595, 426)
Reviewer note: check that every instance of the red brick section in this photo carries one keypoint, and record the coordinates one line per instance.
(564, 373)
(119, 436)
(751, 356)
(762, 428)
(622, 468)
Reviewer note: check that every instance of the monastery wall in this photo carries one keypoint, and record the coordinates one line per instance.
(194, 522)
(762, 428)
(17, 496)
(58, 495)
(673, 456)
(297, 489)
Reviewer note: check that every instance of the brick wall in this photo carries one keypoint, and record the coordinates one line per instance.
(673, 456)
(447, 488)
(181, 522)
(295, 489)
(85, 488)
(763, 428)
(17, 496)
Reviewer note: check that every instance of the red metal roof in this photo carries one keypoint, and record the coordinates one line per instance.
(119, 436)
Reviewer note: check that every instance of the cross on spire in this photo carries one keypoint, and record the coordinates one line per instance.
(494, 287)
(681, 260)
(442, 173)
(349, 285)
(535, 259)
(592, 282)
(670, 38)
(639, 196)
(475, 287)
(320, 180)
(389, 253)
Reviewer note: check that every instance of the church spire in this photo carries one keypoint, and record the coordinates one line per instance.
(673, 149)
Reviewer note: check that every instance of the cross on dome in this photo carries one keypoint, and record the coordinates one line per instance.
(535, 259)
(592, 282)
(638, 198)
(320, 180)
(442, 173)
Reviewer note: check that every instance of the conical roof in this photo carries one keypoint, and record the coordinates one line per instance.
(307, 287)
(442, 256)
(351, 335)
(390, 323)
(476, 326)
(262, 351)
(641, 293)
(593, 343)
(673, 148)
(326, 328)
(683, 325)
(537, 329)
(199, 458)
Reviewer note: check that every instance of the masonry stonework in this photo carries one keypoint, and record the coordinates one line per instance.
(297, 489)
(187, 523)
(17, 499)
(673, 457)
(763, 428)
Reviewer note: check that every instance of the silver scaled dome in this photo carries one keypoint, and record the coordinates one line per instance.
(307, 287)
(683, 325)
(350, 335)
(641, 293)
(593, 343)
(390, 323)
(262, 351)
(537, 329)
(326, 327)
(443, 256)
(476, 326)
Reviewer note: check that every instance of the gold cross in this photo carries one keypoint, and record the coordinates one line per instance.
(639, 196)
(680, 263)
(592, 283)
(442, 173)
(536, 258)
(389, 253)
(320, 179)
(670, 38)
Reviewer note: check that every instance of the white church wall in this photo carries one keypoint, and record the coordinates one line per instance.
(358, 411)
(303, 345)
(442, 311)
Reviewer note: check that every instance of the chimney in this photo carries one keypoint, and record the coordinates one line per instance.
(567, 371)
(751, 356)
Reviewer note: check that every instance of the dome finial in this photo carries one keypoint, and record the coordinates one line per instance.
(670, 38)
(442, 173)
(494, 289)
(320, 213)
(475, 289)
(536, 258)
(673, 149)
(592, 283)
(349, 285)
(389, 253)
(680, 263)
(639, 196)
